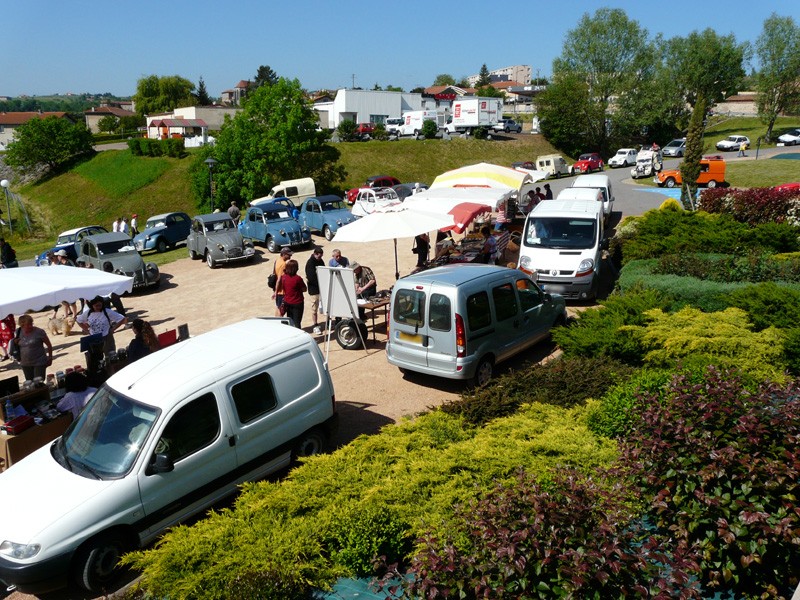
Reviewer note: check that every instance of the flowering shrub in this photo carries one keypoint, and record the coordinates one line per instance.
(753, 206)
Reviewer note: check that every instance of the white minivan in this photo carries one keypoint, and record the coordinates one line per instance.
(162, 439)
(458, 321)
(562, 244)
(600, 182)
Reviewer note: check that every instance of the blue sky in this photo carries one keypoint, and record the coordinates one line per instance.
(53, 46)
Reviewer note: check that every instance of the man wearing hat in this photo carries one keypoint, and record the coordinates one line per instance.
(134, 224)
(280, 267)
(366, 284)
(62, 258)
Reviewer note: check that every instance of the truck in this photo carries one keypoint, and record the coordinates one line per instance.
(413, 120)
(470, 113)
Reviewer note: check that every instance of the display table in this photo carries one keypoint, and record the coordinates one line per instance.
(373, 308)
(14, 448)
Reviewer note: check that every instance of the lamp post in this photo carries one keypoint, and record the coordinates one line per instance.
(5, 183)
(211, 162)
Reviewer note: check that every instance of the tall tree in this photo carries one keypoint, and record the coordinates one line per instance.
(265, 76)
(778, 81)
(484, 78)
(690, 167)
(52, 142)
(614, 56)
(108, 124)
(273, 138)
(203, 99)
(444, 79)
(156, 94)
(565, 113)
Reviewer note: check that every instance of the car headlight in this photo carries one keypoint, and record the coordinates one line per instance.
(525, 262)
(221, 247)
(282, 232)
(585, 268)
(19, 551)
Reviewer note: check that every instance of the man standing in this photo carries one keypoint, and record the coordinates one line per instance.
(280, 267)
(234, 213)
(134, 224)
(742, 148)
(548, 193)
(8, 257)
(312, 282)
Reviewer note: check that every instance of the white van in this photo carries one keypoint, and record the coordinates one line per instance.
(393, 124)
(602, 183)
(553, 164)
(414, 119)
(562, 244)
(163, 439)
(296, 190)
(458, 321)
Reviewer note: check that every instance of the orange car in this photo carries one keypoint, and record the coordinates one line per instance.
(712, 174)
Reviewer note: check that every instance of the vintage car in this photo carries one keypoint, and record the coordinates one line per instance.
(216, 239)
(163, 231)
(375, 181)
(325, 214)
(587, 163)
(624, 157)
(712, 174)
(733, 142)
(369, 200)
(70, 242)
(404, 190)
(272, 224)
(114, 253)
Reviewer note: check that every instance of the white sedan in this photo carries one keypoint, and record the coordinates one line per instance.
(790, 138)
(733, 142)
(623, 158)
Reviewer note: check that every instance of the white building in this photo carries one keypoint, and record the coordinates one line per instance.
(520, 73)
(371, 106)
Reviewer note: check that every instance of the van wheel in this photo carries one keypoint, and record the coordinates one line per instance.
(711, 184)
(326, 231)
(347, 335)
(313, 442)
(95, 565)
(483, 373)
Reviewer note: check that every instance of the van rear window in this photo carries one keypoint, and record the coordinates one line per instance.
(409, 307)
(440, 313)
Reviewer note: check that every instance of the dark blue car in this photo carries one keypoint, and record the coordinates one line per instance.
(163, 231)
(272, 224)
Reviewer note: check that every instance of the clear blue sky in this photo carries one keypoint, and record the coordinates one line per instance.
(50, 46)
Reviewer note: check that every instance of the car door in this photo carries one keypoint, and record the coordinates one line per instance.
(537, 316)
(197, 437)
(254, 227)
(197, 238)
(313, 214)
(509, 328)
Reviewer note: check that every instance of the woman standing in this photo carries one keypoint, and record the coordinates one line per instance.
(36, 351)
(292, 286)
(7, 327)
(99, 319)
(144, 342)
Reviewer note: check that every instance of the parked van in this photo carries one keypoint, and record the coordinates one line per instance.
(413, 121)
(163, 439)
(602, 183)
(458, 321)
(712, 174)
(553, 164)
(393, 124)
(296, 190)
(563, 242)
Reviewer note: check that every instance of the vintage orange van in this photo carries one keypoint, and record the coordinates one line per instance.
(712, 174)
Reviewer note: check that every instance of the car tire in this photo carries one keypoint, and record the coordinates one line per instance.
(212, 264)
(272, 245)
(679, 154)
(310, 443)
(346, 333)
(161, 245)
(670, 182)
(193, 254)
(326, 231)
(95, 564)
(483, 374)
(711, 184)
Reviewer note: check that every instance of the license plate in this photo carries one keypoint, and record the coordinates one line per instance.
(410, 337)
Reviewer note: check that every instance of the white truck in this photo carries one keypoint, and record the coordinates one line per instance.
(470, 113)
(413, 120)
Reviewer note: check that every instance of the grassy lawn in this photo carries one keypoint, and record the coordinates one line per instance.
(749, 126)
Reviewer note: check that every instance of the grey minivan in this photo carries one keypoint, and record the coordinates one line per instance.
(459, 321)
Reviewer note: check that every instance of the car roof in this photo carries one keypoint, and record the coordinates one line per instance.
(264, 206)
(328, 198)
(201, 362)
(591, 180)
(162, 216)
(76, 230)
(102, 238)
(453, 275)
(220, 216)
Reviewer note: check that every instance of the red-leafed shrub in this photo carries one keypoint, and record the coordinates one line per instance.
(753, 206)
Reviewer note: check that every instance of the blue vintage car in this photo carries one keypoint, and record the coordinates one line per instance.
(163, 231)
(69, 241)
(325, 214)
(272, 224)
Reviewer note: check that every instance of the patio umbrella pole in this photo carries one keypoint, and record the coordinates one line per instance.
(396, 268)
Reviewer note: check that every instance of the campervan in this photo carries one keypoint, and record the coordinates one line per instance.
(296, 190)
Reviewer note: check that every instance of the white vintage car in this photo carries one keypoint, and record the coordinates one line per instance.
(624, 157)
(368, 200)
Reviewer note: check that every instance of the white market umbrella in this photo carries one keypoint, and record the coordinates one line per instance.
(392, 223)
(442, 200)
(33, 288)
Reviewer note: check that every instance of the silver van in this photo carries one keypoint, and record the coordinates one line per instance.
(458, 321)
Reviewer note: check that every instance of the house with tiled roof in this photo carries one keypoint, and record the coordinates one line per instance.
(94, 114)
(9, 121)
(233, 97)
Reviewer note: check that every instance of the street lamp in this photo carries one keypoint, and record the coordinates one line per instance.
(211, 162)
(5, 183)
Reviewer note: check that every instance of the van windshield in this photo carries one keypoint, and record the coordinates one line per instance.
(107, 437)
(557, 232)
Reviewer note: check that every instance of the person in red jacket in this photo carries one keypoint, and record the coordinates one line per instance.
(292, 286)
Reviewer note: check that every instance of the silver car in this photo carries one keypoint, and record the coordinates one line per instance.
(216, 239)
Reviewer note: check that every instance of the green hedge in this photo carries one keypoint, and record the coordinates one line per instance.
(413, 474)
(173, 147)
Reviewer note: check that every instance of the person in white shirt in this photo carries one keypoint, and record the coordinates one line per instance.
(98, 319)
(116, 225)
(124, 225)
(134, 224)
(78, 394)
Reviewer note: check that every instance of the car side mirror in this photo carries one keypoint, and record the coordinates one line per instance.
(161, 463)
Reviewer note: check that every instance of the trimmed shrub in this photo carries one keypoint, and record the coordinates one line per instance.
(753, 206)
(721, 464)
(791, 351)
(601, 333)
(380, 132)
(429, 129)
(574, 538)
(752, 267)
(768, 304)
(566, 382)
(135, 147)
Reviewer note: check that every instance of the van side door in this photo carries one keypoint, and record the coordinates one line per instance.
(509, 331)
(196, 437)
(538, 316)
